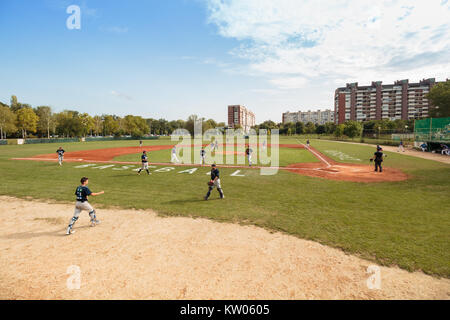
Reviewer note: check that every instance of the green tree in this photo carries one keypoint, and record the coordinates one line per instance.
(190, 122)
(26, 121)
(439, 97)
(87, 124)
(14, 103)
(310, 128)
(46, 119)
(299, 128)
(320, 129)
(97, 125)
(353, 129)
(7, 121)
(110, 125)
(339, 131)
(330, 127)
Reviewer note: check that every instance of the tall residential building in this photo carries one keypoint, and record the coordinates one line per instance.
(316, 117)
(401, 100)
(240, 115)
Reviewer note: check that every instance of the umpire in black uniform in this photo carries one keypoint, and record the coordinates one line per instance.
(378, 159)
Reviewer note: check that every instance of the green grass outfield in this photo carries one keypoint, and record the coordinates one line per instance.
(394, 223)
(286, 156)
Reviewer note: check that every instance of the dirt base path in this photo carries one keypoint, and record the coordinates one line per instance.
(137, 255)
(408, 152)
(333, 170)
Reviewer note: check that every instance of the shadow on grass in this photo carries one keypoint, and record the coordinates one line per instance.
(190, 201)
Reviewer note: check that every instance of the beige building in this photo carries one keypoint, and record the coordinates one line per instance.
(240, 115)
(316, 117)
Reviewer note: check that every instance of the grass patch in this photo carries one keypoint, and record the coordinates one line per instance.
(403, 223)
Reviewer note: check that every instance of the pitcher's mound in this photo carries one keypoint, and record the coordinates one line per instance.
(348, 172)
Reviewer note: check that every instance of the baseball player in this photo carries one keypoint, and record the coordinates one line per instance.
(248, 153)
(82, 193)
(214, 182)
(378, 159)
(144, 160)
(203, 155)
(401, 147)
(264, 145)
(216, 145)
(60, 153)
(307, 143)
(174, 155)
(140, 143)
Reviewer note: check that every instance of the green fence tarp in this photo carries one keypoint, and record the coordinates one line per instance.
(432, 130)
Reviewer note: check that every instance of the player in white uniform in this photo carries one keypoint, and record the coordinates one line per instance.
(144, 160)
(82, 193)
(174, 155)
(60, 153)
(203, 156)
(248, 153)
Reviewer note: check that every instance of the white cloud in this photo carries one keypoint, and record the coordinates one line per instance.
(121, 95)
(293, 43)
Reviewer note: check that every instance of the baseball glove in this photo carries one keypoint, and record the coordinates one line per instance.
(210, 183)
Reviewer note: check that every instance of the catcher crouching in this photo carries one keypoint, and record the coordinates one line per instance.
(214, 182)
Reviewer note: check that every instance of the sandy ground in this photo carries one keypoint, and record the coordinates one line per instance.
(409, 152)
(138, 255)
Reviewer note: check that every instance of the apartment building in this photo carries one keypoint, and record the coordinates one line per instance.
(240, 115)
(401, 100)
(316, 117)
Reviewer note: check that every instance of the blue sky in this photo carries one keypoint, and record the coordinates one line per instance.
(170, 59)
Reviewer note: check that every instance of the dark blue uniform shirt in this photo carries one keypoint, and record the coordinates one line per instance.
(144, 158)
(82, 193)
(214, 174)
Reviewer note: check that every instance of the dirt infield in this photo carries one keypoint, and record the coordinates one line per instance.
(111, 153)
(327, 168)
(330, 169)
(138, 255)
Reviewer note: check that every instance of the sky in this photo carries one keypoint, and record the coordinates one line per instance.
(170, 59)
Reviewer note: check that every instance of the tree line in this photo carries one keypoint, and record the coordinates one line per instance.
(22, 120)
(350, 129)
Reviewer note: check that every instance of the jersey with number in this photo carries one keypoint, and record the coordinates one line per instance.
(82, 193)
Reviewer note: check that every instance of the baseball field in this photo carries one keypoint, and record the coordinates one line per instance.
(309, 231)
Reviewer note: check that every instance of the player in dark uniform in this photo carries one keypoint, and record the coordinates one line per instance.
(144, 160)
(378, 159)
(60, 153)
(82, 193)
(215, 182)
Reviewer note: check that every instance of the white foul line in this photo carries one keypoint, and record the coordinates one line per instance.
(316, 154)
